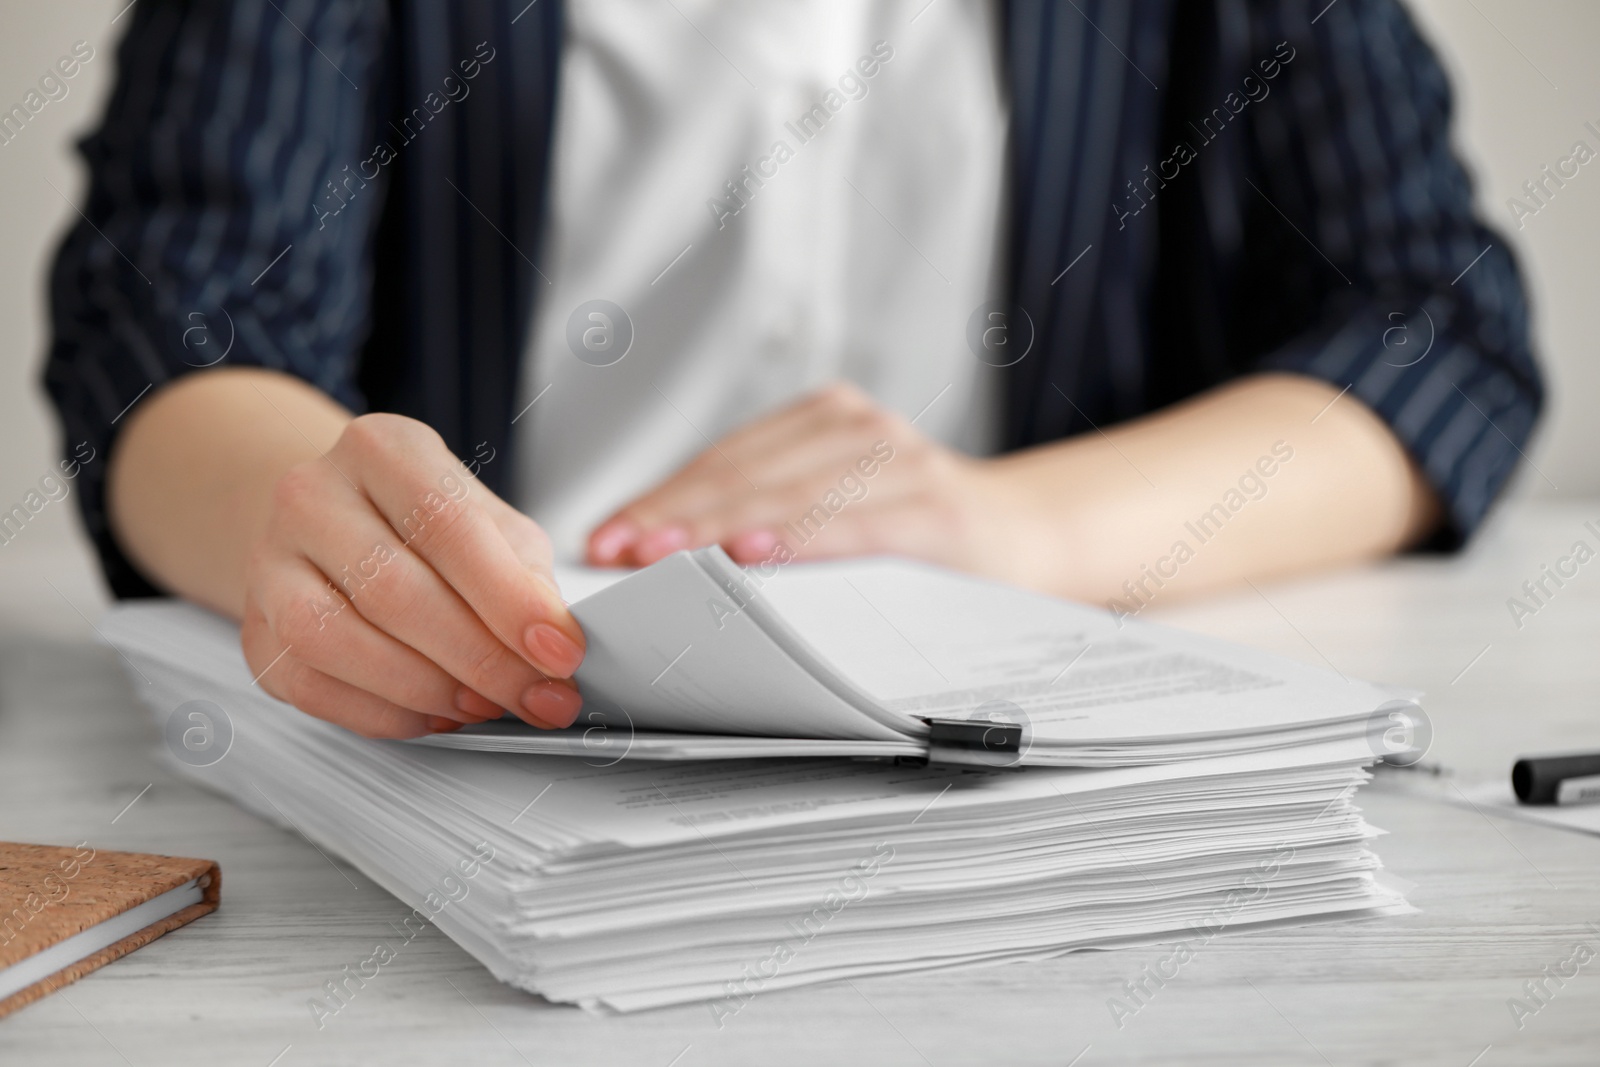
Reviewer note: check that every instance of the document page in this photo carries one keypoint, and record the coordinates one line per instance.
(855, 652)
(648, 804)
(925, 641)
(670, 649)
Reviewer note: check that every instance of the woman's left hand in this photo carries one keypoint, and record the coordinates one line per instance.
(831, 475)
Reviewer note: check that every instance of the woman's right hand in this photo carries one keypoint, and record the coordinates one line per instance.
(395, 595)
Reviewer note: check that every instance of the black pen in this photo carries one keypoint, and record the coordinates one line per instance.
(1557, 779)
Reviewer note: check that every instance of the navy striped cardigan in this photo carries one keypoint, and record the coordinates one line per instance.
(1250, 184)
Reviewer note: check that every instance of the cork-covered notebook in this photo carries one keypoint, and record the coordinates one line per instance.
(67, 911)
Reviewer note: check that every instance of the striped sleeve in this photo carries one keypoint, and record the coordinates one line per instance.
(1422, 313)
(226, 221)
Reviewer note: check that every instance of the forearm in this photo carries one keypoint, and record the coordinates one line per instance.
(191, 477)
(1256, 478)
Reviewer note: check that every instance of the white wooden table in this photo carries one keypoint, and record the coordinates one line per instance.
(1500, 899)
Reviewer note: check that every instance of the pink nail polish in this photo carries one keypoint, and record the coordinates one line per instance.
(658, 544)
(611, 540)
(555, 650)
(753, 546)
(552, 706)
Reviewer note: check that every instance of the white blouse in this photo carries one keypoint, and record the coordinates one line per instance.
(748, 201)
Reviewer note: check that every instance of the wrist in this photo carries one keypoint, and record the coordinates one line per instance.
(192, 473)
(1021, 532)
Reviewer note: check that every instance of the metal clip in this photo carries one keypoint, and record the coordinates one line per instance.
(974, 742)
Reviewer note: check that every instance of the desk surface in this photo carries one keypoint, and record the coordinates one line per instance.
(1500, 899)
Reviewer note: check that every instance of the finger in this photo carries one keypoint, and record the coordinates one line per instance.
(315, 693)
(355, 709)
(690, 508)
(795, 447)
(528, 541)
(652, 520)
(416, 485)
(836, 475)
(756, 453)
(342, 644)
(911, 525)
(408, 600)
(397, 592)
(751, 526)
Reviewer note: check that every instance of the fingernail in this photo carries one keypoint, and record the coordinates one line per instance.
(610, 541)
(559, 653)
(553, 706)
(443, 726)
(658, 544)
(752, 546)
(472, 703)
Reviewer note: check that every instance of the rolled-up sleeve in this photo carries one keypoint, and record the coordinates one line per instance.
(228, 220)
(1423, 316)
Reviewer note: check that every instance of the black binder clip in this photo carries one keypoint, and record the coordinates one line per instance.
(974, 742)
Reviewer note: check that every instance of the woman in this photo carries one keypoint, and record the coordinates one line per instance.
(1137, 298)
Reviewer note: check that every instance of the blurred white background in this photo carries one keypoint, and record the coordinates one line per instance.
(1525, 78)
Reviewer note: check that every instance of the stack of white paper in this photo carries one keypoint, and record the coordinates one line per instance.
(631, 883)
(696, 658)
